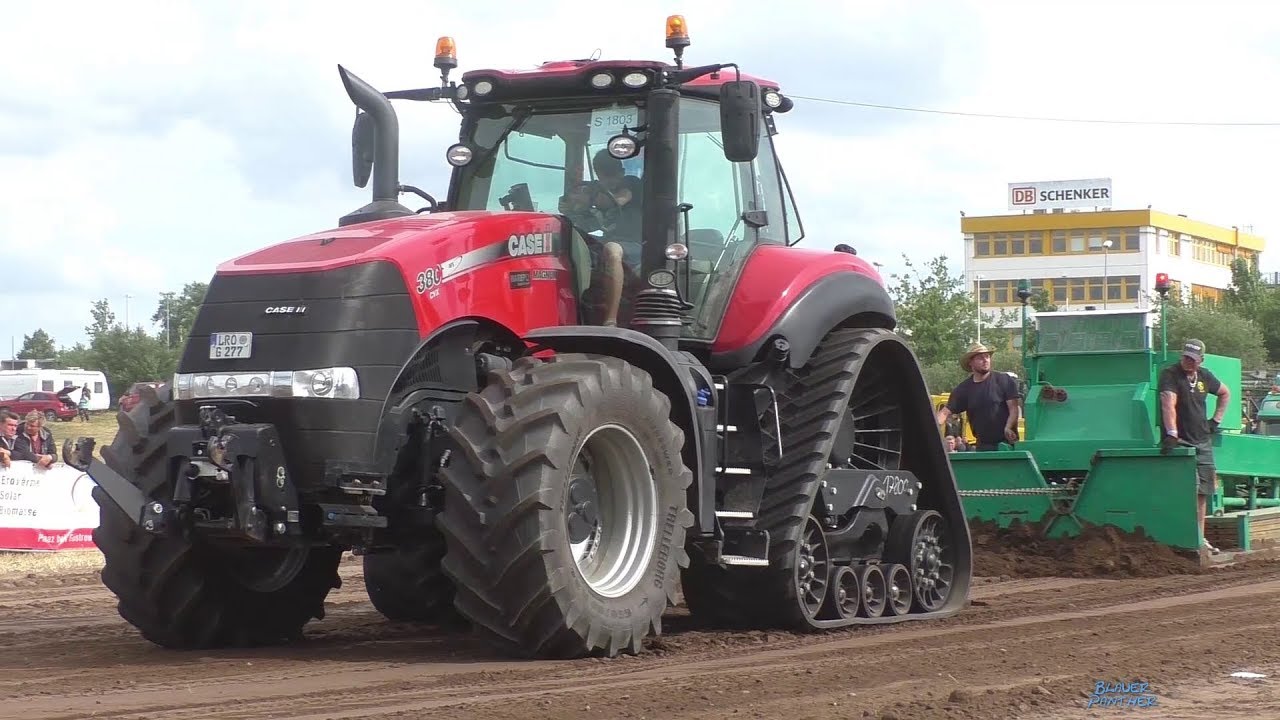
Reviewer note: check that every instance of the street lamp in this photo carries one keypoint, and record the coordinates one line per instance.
(1106, 280)
(977, 300)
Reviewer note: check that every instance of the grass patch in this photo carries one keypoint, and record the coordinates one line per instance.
(67, 562)
(101, 427)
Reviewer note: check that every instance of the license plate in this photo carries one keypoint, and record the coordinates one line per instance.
(230, 345)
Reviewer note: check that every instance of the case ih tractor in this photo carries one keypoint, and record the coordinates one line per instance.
(441, 392)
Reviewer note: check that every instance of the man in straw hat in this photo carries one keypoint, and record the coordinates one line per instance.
(1184, 388)
(990, 400)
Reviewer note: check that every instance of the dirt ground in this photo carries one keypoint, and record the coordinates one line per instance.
(1030, 645)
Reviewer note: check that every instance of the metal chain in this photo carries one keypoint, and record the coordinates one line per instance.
(1015, 491)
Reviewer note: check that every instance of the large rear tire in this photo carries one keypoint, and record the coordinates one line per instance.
(188, 596)
(566, 508)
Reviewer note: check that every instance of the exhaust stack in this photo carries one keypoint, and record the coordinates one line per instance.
(375, 123)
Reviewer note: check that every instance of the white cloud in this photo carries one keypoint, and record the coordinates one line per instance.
(139, 148)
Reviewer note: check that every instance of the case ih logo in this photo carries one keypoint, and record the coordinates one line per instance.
(1023, 195)
(529, 244)
(285, 310)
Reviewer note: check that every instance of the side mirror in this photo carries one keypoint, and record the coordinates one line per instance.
(363, 138)
(740, 120)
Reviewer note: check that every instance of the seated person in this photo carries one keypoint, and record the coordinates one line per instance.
(35, 442)
(611, 204)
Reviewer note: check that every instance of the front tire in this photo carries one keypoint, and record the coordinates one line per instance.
(566, 509)
(185, 595)
(407, 585)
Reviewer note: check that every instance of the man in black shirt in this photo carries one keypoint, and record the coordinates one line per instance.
(990, 399)
(1184, 388)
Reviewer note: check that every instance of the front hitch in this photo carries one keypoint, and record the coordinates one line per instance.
(149, 514)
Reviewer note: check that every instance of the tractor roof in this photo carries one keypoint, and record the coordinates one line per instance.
(571, 69)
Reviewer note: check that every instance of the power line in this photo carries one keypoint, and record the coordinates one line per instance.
(1033, 118)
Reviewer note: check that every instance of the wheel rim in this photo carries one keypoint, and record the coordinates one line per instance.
(875, 416)
(813, 568)
(264, 570)
(847, 595)
(50, 415)
(899, 590)
(874, 593)
(611, 513)
(933, 567)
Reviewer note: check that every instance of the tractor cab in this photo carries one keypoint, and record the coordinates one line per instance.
(674, 166)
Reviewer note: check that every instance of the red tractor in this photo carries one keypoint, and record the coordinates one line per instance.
(597, 372)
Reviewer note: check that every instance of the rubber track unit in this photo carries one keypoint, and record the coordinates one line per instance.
(505, 493)
(811, 408)
(177, 594)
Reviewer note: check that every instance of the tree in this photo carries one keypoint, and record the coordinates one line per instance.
(935, 312)
(38, 346)
(1223, 333)
(938, 316)
(176, 312)
(103, 319)
(1247, 293)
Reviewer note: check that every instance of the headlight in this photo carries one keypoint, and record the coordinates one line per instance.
(339, 383)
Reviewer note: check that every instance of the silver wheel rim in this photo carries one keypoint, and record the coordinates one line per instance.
(611, 514)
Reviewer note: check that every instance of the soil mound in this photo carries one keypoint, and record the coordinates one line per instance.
(1021, 551)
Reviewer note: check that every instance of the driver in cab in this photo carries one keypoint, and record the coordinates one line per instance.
(610, 205)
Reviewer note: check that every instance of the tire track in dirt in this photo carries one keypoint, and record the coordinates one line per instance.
(347, 671)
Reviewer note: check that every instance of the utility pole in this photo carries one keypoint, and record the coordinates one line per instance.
(126, 311)
(167, 298)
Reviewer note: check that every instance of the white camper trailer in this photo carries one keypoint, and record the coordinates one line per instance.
(16, 382)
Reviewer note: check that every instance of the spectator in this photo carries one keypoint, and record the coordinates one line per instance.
(989, 400)
(8, 436)
(84, 403)
(35, 443)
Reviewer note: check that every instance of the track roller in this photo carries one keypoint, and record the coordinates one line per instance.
(875, 591)
(843, 598)
(899, 589)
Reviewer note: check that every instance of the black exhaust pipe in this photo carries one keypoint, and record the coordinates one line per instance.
(378, 120)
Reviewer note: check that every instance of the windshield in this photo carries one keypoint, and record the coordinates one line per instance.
(547, 150)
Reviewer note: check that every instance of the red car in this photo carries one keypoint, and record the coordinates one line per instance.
(132, 397)
(54, 406)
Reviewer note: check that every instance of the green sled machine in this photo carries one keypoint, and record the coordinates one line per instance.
(1091, 455)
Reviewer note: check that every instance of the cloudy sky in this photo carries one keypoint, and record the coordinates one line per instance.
(141, 143)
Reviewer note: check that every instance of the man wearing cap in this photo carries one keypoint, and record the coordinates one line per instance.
(1184, 387)
(990, 399)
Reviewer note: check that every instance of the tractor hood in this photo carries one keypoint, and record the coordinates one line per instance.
(412, 243)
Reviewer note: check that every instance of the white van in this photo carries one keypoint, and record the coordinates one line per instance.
(16, 382)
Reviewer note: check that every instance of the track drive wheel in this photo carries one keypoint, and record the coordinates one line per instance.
(185, 595)
(407, 584)
(919, 541)
(565, 509)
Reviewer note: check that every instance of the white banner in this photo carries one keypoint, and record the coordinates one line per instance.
(46, 508)
(1051, 195)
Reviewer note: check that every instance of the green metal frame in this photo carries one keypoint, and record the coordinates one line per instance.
(1093, 457)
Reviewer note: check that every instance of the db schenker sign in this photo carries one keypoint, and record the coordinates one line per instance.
(1060, 194)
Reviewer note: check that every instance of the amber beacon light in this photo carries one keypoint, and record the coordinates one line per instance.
(446, 54)
(677, 32)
